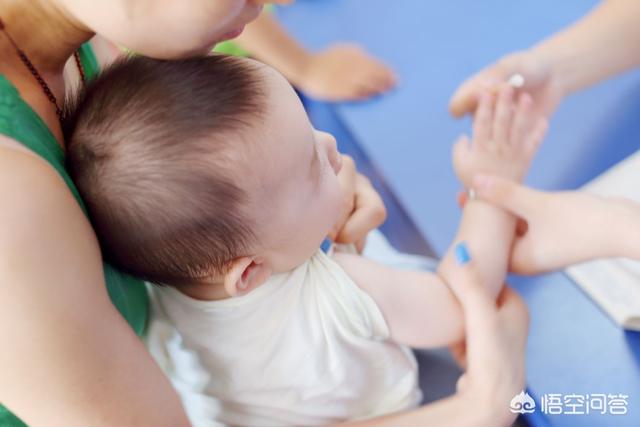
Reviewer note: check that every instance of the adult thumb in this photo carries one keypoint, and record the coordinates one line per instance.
(516, 198)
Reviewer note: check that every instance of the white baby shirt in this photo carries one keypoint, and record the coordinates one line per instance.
(308, 347)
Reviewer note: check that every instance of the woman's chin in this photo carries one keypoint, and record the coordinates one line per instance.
(229, 35)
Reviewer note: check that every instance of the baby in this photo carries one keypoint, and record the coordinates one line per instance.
(204, 176)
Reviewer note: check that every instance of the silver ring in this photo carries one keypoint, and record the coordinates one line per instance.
(471, 194)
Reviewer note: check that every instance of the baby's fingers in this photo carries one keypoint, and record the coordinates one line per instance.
(467, 96)
(369, 212)
(503, 115)
(522, 120)
(536, 136)
(483, 118)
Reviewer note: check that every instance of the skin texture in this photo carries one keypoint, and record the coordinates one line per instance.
(506, 137)
(166, 28)
(598, 46)
(41, 315)
(298, 179)
(292, 178)
(563, 228)
(54, 299)
(342, 72)
(493, 358)
(292, 175)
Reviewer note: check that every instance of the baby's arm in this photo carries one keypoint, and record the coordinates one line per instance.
(419, 308)
(506, 135)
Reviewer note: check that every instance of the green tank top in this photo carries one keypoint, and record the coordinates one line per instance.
(19, 122)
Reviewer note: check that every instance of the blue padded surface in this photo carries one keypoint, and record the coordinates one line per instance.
(407, 135)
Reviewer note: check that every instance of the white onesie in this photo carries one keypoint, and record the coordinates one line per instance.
(308, 347)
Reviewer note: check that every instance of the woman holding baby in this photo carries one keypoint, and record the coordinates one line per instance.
(71, 324)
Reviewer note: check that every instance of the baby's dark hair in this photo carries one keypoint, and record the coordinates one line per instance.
(149, 146)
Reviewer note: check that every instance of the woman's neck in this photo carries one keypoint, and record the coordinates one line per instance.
(48, 35)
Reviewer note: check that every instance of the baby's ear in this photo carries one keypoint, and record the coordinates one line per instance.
(244, 275)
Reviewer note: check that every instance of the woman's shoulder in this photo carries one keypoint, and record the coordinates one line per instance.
(55, 310)
(37, 204)
(48, 251)
(46, 231)
(24, 174)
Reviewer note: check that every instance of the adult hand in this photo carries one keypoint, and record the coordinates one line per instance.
(363, 208)
(345, 72)
(494, 351)
(539, 82)
(562, 228)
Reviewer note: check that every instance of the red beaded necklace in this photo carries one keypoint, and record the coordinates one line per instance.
(45, 87)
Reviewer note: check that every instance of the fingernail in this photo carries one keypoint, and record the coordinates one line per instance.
(462, 253)
(326, 245)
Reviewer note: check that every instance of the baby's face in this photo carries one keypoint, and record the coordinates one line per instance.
(294, 186)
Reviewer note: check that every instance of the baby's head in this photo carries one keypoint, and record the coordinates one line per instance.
(201, 171)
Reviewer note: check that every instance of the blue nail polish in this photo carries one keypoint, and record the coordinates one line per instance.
(462, 253)
(326, 245)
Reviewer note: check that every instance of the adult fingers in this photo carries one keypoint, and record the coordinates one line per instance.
(521, 225)
(518, 199)
(459, 353)
(465, 99)
(503, 114)
(513, 316)
(466, 285)
(480, 313)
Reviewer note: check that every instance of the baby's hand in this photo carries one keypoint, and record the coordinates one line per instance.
(506, 135)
